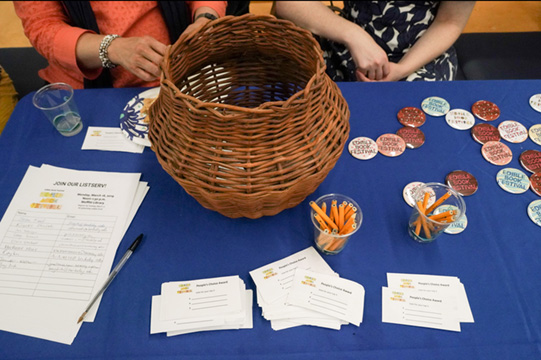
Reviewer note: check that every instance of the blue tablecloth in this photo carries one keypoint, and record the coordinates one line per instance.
(496, 257)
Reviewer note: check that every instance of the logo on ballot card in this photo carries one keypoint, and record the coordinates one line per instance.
(397, 296)
(308, 280)
(184, 288)
(95, 133)
(268, 273)
(406, 283)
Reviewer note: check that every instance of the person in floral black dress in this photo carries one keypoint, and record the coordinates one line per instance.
(384, 40)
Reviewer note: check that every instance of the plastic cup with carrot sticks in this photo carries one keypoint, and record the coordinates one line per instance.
(335, 218)
(428, 220)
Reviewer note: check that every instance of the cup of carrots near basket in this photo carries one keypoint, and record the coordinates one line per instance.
(437, 206)
(335, 218)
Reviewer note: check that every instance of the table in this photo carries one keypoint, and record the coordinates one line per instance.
(496, 257)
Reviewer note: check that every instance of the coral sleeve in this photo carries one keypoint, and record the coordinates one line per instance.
(218, 6)
(46, 26)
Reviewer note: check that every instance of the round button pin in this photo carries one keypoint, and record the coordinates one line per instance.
(413, 137)
(435, 106)
(513, 180)
(497, 153)
(535, 183)
(391, 145)
(457, 226)
(462, 182)
(460, 119)
(409, 191)
(411, 116)
(363, 148)
(535, 133)
(534, 212)
(485, 110)
(513, 131)
(531, 160)
(535, 102)
(483, 133)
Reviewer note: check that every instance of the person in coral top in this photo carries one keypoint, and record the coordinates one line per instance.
(109, 43)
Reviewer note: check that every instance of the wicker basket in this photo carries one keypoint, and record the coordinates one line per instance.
(247, 121)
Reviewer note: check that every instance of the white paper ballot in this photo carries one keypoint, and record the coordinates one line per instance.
(247, 305)
(74, 220)
(331, 295)
(449, 285)
(419, 308)
(274, 280)
(109, 139)
(201, 305)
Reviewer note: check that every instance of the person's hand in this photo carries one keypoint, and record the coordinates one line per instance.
(141, 56)
(370, 59)
(396, 72)
(195, 26)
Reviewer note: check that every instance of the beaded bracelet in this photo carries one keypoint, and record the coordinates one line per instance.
(104, 55)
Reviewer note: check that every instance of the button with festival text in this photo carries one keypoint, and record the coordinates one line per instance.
(457, 226)
(462, 182)
(534, 211)
(483, 133)
(497, 153)
(411, 116)
(513, 131)
(485, 110)
(535, 183)
(535, 133)
(531, 160)
(413, 137)
(513, 180)
(409, 191)
(435, 106)
(363, 148)
(391, 145)
(460, 119)
(535, 102)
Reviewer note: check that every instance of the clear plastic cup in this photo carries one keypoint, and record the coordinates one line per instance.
(56, 102)
(426, 227)
(332, 242)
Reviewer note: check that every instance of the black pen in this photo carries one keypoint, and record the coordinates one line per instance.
(112, 275)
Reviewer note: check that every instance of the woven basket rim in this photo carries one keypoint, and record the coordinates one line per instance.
(263, 108)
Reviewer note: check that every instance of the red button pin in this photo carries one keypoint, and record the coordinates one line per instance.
(483, 133)
(391, 145)
(413, 137)
(497, 153)
(411, 116)
(485, 110)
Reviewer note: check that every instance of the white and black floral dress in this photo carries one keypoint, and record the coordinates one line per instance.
(395, 26)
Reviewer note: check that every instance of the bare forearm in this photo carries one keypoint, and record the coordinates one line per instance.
(318, 19)
(87, 51)
(440, 36)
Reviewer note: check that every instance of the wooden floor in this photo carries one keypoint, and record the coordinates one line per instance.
(487, 16)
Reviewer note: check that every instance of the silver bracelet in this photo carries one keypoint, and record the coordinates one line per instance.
(104, 54)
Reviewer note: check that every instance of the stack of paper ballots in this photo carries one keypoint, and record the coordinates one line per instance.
(302, 289)
(438, 302)
(183, 307)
